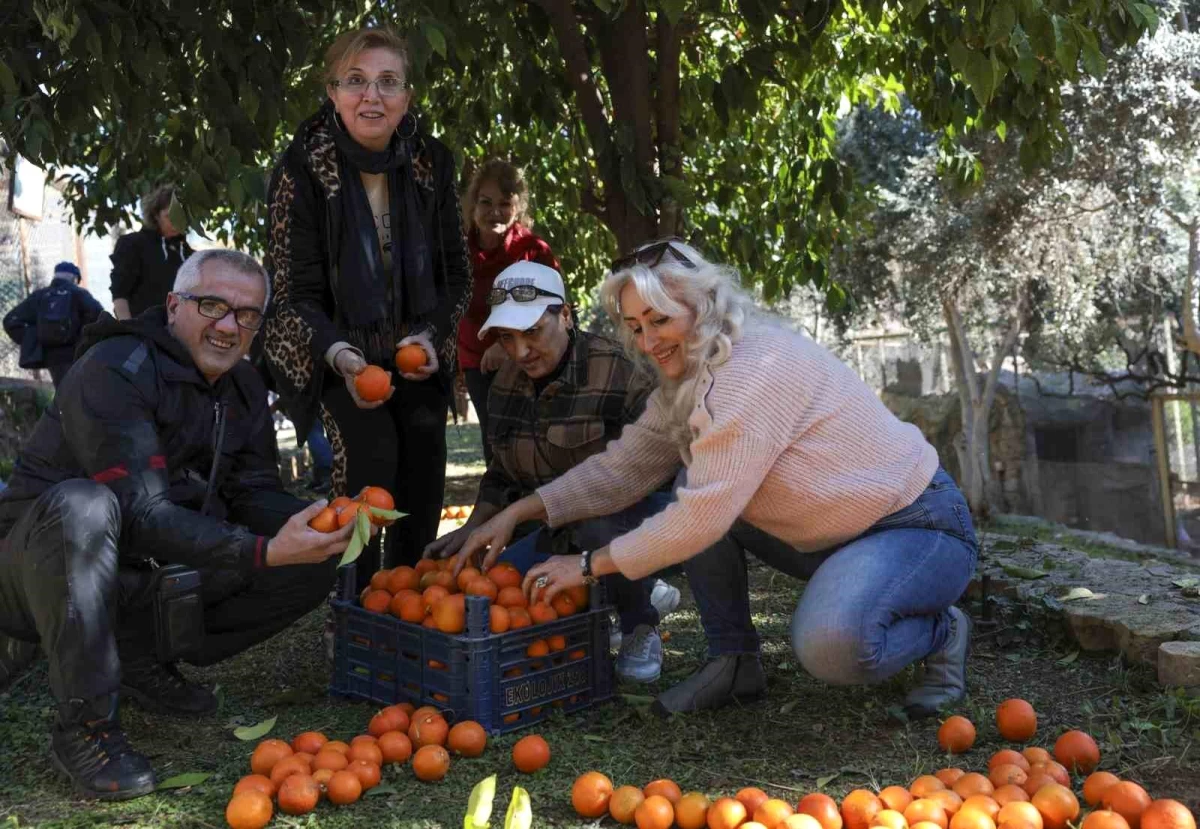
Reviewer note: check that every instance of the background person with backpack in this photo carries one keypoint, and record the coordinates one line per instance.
(49, 322)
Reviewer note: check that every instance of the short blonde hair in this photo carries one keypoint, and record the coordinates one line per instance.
(709, 292)
(350, 45)
(511, 182)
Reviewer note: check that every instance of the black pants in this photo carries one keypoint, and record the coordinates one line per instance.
(61, 585)
(400, 446)
(479, 383)
(58, 371)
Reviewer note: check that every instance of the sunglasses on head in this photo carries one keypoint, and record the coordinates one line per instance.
(519, 293)
(652, 255)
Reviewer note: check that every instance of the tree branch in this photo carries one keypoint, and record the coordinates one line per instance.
(669, 150)
(1006, 345)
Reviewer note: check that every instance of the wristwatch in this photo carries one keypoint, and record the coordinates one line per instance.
(585, 567)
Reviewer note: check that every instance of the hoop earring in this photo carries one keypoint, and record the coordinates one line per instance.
(337, 121)
(411, 122)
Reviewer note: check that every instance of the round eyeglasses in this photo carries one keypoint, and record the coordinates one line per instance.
(215, 308)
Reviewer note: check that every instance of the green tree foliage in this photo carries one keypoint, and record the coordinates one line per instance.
(715, 119)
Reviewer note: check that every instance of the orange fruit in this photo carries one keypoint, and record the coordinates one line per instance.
(1007, 773)
(663, 788)
(1010, 794)
(336, 745)
(800, 821)
(367, 752)
(1055, 769)
(1006, 756)
(1036, 754)
(541, 613)
(770, 813)
(380, 498)
(256, 783)
(691, 812)
(363, 738)
(924, 785)
(325, 521)
(483, 586)
(929, 811)
(956, 734)
(343, 788)
(349, 512)
(450, 614)
(752, 797)
(248, 810)
(408, 606)
(328, 758)
(1020, 813)
(410, 357)
(468, 739)
(309, 742)
(510, 596)
(1057, 804)
(1167, 814)
(888, 819)
(388, 719)
(1104, 819)
(286, 768)
(530, 753)
(467, 575)
(1037, 780)
(624, 802)
(983, 803)
(949, 776)
(1077, 751)
(1127, 799)
(726, 813)
(895, 798)
(518, 617)
(368, 773)
(1096, 784)
(498, 618)
(380, 579)
(859, 808)
(948, 800)
(504, 575)
(433, 594)
(825, 809)
(590, 794)
(403, 578)
(394, 746)
(972, 784)
(267, 754)
(972, 819)
(579, 595)
(655, 812)
(1016, 720)
(377, 601)
(299, 794)
(431, 763)
(428, 730)
(564, 605)
(373, 383)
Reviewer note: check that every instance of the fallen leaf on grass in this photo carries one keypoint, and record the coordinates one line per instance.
(637, 699)
(179, 781)
(254, 732)
(1067, 660)
(1186, 582)
(595, 738)
(1080, 593)
(385, 788)
(822, 782)
(1023, 572)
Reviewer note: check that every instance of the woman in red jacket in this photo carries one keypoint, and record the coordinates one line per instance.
(497, 229)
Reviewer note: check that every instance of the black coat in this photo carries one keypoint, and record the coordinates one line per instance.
(21, 325)
(136, 414)
(303, 251)
(144, 268)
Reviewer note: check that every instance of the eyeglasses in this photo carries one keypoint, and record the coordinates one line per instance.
(652, 255)
(215, 308)
(520, 293)
(387, 86)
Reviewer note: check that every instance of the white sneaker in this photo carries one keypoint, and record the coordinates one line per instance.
(641, 655)
(664, 597)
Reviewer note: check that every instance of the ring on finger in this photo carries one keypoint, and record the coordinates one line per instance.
(542, 581)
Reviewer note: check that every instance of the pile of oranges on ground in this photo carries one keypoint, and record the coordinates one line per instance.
(342, 510)
(457, 513)
(1029, 789)
(430, 595)
(299, 774)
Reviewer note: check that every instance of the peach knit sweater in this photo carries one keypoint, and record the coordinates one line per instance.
(784, 436)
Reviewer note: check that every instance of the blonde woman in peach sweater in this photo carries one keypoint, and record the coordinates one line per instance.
(787, 455)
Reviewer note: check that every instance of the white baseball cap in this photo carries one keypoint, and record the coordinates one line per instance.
(547, 289)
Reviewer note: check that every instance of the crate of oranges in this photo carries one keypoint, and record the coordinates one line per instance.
(470, 646)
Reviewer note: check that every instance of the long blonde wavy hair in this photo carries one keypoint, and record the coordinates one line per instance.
(709, 292)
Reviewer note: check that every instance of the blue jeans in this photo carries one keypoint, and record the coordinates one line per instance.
(322, 452)
(872, 606)
(631, 598)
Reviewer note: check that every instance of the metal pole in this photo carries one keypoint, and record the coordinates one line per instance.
(1164, 470)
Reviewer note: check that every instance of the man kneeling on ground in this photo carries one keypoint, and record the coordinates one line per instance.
(145, 522)
(560, 398)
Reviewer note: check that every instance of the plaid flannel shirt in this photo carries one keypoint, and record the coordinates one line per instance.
(536, 438)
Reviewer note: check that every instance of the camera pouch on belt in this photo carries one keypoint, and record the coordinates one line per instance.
(178, 612)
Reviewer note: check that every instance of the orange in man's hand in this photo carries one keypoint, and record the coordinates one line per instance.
(325, 521)
(372, 384)
(409, 358)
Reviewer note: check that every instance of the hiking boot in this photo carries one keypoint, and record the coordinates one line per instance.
(15, 656)
(162, 689)
(734, 676)
(88, 746)
(944, 681)
(664, 597)
(641, 655)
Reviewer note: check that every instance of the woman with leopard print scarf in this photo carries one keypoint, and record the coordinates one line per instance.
(366, 254)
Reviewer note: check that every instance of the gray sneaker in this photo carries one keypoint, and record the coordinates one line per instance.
(723, 680)
(664, 597)
(641, 655)
(945, 678)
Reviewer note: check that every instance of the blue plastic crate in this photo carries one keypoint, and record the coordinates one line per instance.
(476, 675)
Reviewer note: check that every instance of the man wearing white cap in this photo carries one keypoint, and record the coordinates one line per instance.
(558, 400)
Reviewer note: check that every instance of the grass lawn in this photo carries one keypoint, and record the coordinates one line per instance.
(805, 737)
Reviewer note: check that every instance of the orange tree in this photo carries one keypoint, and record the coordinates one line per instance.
(634, 118)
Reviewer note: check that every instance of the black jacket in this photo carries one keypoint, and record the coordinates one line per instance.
(135, 414)
(21, 325)
(303, 251)
(144, 268)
